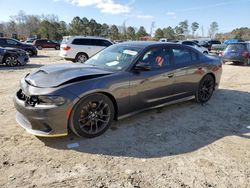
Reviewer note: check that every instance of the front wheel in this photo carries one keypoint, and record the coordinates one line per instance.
(205, 89)
(11, 61)
(92, 116)
(57, 47)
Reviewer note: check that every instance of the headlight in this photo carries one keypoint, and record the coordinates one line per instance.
(51, 100)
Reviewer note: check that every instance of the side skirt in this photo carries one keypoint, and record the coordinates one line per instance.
(158, 106)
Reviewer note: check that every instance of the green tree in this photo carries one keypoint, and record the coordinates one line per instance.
(114, 33)
(141, 32)
(169, 33)
(105, 30)
(93, 27)
(214, 27)
(76, 26)
(194, 27)
(85, 26)
(159, 34)
(130, 33)
(184, 26)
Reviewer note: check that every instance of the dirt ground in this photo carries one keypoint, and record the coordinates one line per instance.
(182, 145)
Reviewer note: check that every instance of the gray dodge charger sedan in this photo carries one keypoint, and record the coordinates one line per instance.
(119, 81)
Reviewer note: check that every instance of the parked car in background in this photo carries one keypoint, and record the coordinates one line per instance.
(208, 44)
(12, 57)
(237, 53)
(218, 48)
(121, 80)
(80, 48)
(194, 45)
(44, 43)
(13, 43)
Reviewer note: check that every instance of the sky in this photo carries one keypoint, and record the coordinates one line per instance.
(229, 14)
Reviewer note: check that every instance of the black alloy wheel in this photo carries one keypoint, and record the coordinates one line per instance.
(92, 116)
(205, 89)
(81, 58)
(11, 61)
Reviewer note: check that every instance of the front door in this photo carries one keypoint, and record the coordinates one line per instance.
(152, 87)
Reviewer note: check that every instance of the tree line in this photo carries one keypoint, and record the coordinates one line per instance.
(50, 27)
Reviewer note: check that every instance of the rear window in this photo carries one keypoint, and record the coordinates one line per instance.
(65, 40)
(182, 56)
(235, 48)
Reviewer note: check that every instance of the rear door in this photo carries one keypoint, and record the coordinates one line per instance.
(186, 65)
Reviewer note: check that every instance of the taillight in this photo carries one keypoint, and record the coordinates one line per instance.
(245, 54)
(66, 48)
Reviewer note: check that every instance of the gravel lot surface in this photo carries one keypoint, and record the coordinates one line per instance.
(182, 145)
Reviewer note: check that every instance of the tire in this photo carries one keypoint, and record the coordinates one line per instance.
(39, 47)
(81, 58)
(92, 116)
(205, 89)
(205, 52)
(11, 61)
(57, 47)
(30, 52)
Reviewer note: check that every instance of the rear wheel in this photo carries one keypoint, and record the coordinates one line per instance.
(30, 52)
(81, 58)
(11, 60)
(39, 47)
(57, 47)
(205, 52)
(92, 116)
(205, 89)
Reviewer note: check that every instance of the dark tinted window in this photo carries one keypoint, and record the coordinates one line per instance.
(82, 42)
(156, 57)
(215, 42)
(188, 43)
(195, 56)
(2, 41)
(11, 42)
(181, 56)
(103, 43)
(248, 47)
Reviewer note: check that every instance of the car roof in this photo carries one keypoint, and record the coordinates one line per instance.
(238, 43)
(85, 37)
(145, 44)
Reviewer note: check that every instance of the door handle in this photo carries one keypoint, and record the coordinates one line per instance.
(171, 75)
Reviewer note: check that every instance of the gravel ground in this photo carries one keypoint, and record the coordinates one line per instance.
(182, 145)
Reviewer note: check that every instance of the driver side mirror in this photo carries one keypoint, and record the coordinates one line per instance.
(142, 67)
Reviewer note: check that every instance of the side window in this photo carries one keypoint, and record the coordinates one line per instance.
(188, 43)
(82, 42)
(248, 47)
(195, 56)
(181, 56)
(156, 57)
(2, 42)
(11, 42)
(105, 43)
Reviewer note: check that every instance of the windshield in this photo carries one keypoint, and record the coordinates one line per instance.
(115, 57)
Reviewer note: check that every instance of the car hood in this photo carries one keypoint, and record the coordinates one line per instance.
(57, 75)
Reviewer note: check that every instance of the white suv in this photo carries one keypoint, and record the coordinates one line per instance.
(80, 48)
